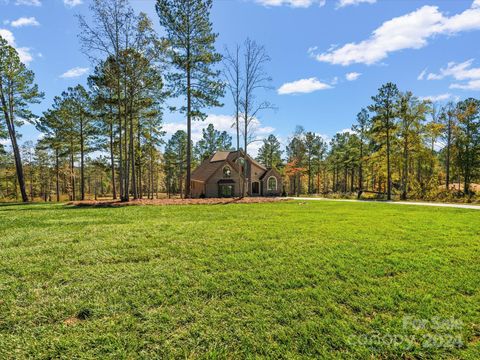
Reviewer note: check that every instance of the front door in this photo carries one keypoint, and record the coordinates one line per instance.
(225, 191)
(256, 188)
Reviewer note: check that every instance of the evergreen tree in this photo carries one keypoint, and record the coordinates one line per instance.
(313, 147)
(50, 125)
(362, 128)
(468, 140)
(17, 90)
(191, 42)
(78, 101)
(384, 107)
(270, 153)
(412, 113)
(296, 157)
(175, 161)
(102, 84)
(212, 141)
(448, 119)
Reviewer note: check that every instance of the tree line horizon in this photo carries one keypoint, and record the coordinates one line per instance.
(399, 145)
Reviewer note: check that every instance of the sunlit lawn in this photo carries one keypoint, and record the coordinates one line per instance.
(278, 280)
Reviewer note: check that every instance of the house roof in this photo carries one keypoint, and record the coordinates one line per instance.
(220, 156)
(206, 169)
(269, 172)
(209, 166)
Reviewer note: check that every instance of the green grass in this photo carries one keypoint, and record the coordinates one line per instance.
(278, 280)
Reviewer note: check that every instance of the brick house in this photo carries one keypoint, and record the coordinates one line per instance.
(222, 175)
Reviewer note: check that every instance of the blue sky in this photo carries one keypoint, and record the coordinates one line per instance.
(328, 57)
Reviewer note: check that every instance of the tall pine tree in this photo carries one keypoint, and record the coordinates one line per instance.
(384, 105)
(17, 90)
(269, 153)
(192, 52)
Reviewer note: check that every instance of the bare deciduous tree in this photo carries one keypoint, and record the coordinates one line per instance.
(255, 78)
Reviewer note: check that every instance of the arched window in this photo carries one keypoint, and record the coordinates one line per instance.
(227, 172)
(272, 183)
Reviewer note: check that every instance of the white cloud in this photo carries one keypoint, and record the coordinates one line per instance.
(352, 76)
(421, 76)
(8, 36)
(312, 50)
(343, 3)
(72, 3)
(410, 31)
(75, 72)
(24, 21)
(291, 3)
(25, 55)
(221, 123)
(23, 52)
(28, 2)
(470, 85)
(460, 72)
(437, 98)
(303, 86)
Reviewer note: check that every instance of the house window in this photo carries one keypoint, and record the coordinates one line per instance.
(227, 172)
(272, 183)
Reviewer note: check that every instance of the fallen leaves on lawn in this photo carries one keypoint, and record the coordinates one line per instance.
(210, 201)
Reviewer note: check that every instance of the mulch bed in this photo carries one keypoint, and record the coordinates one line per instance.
(140, 202)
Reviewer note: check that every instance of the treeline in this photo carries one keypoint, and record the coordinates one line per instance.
(399, 147)
(106, 138)
(423, 150)
(52, 175)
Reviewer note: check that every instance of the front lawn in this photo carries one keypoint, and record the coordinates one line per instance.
(276, 280)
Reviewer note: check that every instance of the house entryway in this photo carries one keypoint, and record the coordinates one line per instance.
(225, 191)
(255, 188)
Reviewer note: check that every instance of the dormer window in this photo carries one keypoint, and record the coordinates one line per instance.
(227, 172)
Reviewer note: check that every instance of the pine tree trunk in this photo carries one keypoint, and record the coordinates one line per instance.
(121, 175)
(57, 184)
(352, 181)
(126, 153)
(389, 175)
(112, 163)
(405, 169)
(72, 174)
(82, 162)
(19, 169)
(189, 125)
(16, 152)
(139, 163)
(360, 170)
(449, 141)
(132, 156)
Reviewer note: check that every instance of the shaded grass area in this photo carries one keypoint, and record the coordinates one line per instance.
(276, 280)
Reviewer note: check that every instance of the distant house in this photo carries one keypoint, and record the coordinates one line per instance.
(222, 175)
